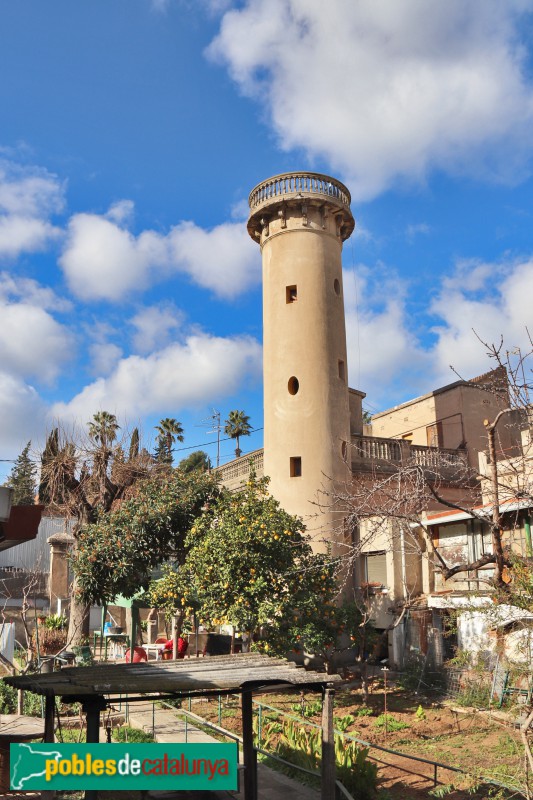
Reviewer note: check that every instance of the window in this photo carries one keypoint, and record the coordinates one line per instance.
(434, 435)
(374, 572)
(294, 385)
(342, 370)
(296, 467)
(337, 287)
(291, 294)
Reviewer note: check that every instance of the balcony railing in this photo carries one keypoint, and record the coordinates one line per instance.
(240, 468)
(367, 450)
(294, 183)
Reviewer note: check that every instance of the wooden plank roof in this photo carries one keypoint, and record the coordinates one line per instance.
(233, 672)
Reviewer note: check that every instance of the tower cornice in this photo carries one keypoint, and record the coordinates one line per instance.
(273, 197)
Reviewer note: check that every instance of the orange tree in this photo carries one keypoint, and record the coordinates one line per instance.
(117, 554)
(254, 568)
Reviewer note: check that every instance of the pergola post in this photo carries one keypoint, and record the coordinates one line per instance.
(49, 732)
(328, 746)
(249, 753)
(92, 707)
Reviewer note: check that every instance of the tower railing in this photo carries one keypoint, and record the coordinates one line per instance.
(295, 183)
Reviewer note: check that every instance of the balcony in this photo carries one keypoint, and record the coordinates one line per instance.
(371, 452)
(235, 474)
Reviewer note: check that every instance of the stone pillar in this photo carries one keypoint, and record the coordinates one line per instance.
(58, 583)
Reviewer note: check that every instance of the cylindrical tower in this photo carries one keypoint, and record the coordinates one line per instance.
(300, 220)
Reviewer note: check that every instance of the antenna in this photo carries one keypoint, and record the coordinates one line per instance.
(216, 427)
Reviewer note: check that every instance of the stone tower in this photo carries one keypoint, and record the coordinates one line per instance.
(300, 220)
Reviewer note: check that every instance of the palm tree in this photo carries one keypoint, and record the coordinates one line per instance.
(169, 431)
(103, 428)
(237, 425)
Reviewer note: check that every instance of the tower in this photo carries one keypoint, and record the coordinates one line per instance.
(300, 220)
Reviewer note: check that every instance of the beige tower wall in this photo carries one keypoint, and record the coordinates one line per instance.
(304, 338)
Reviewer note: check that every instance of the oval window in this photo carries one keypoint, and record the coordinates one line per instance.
(294, 385)
(337, 286)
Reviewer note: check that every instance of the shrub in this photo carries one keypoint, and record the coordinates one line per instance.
(128, 734)
(390, 722)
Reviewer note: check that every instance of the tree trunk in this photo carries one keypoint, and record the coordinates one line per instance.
(78, 626)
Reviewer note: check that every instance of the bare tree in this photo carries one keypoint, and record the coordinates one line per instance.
(84, 476)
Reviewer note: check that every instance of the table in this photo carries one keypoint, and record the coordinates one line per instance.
(15, 728)
(111, 637)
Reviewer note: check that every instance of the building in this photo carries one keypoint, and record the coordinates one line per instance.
(317, 450)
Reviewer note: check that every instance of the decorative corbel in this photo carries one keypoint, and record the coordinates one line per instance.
(283, 216)
(304, 214)
(264, 224)
(339, 220)
(323, 216)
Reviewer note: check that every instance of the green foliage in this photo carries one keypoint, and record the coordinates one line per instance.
(474, 694)
(8, 698)
(132, 735)
(55, 622)
(175, 591)
(343, 723)
(420, 714)
(196, 460)
(254, 567)
(237, 425)
(308, 709)
(388, 721)
(117, 554)
(169, 431)
(364, 711)
(22, 479)
(519, 591)
(31, 703)
(303, 748)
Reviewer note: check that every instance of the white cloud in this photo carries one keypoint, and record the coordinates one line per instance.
(32, 292)
(182, 375)
(223, 259)
(104, 357)
(384, 355)
(153, 326)
(22, 415)
(495, 302)
(390, 356)
(28, 198)
(388, 91)
(103, 260)
(32, 343)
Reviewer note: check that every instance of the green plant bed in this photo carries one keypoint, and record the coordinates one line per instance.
(133, 735)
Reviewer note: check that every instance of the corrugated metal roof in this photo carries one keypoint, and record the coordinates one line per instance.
(233, 672)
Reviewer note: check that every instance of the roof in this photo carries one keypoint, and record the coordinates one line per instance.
(192, 675)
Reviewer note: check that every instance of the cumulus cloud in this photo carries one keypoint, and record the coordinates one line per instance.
(391, 358)
(494, 302)
(384, 354)
(22, 414)
(388, 91)
(153, 326)
(102, 259)
(32, 292)
(29, 197)
(182, 375)
(32, 343)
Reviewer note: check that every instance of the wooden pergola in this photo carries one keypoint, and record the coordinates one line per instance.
(98, 686)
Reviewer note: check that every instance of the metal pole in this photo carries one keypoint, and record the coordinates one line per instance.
(249, 753)
(328, 746)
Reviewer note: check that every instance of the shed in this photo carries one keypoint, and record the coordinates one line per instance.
(244, 673)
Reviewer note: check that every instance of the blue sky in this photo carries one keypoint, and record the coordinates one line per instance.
(131, 134)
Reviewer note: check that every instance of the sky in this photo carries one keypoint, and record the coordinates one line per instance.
(131, 133)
